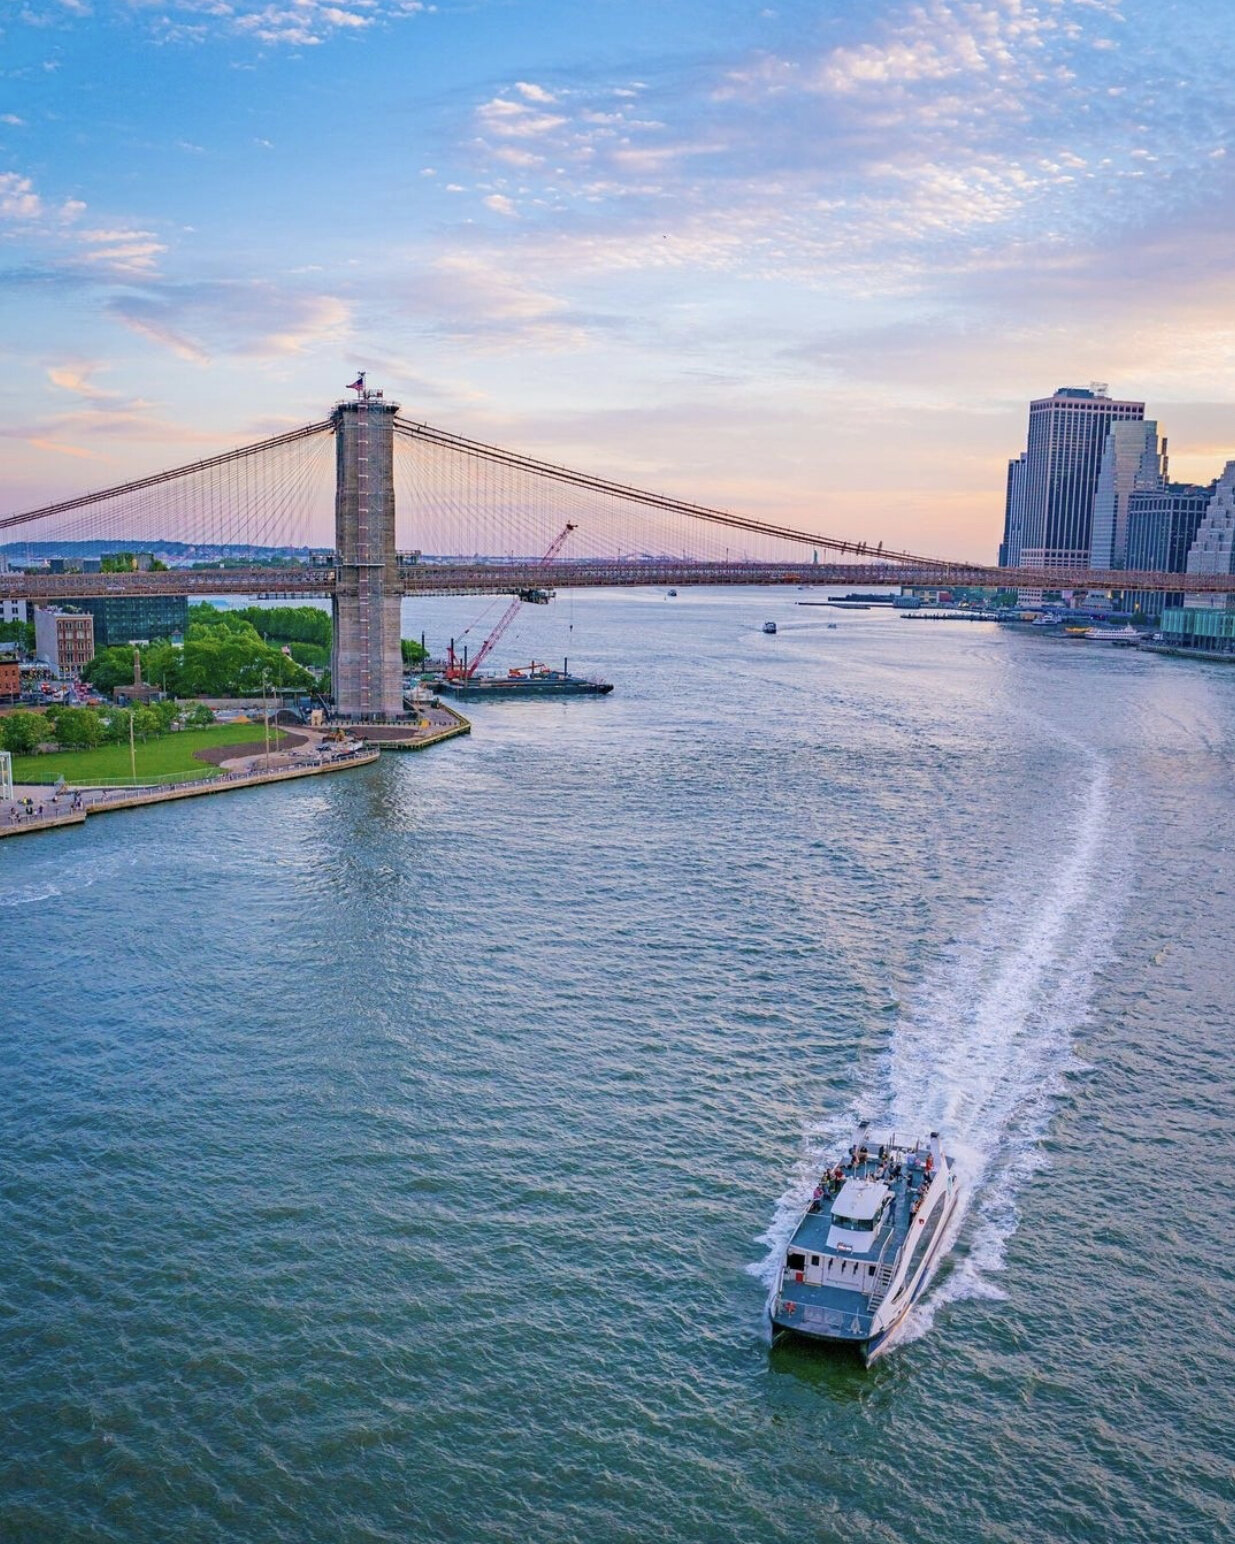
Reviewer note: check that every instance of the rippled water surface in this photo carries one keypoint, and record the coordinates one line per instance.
(404, 1155)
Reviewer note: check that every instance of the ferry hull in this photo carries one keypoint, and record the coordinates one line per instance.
(502, 689)
(870, 1340)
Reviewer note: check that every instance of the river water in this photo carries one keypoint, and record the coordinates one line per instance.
(404, 1155)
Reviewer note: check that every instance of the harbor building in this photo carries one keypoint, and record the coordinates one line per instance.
(1063, 459)
(1162, 525)
(1205, 624)
(65, 639)
(136, 618)
(1131, 460)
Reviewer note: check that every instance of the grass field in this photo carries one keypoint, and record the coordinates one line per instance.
(167, 760)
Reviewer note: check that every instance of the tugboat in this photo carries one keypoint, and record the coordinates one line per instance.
(769, 627)
(863, 1249)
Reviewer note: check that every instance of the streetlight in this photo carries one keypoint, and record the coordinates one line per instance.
(266, 718)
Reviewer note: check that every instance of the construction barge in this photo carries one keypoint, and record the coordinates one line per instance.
(534, 680)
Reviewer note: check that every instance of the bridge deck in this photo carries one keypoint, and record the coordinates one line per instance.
(505, 578)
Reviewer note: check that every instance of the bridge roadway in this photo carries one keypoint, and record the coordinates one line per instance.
(503, 578)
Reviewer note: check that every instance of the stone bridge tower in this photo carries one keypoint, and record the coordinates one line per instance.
(366, 665)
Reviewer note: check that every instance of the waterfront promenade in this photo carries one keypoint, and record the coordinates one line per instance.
(35, 809)
(305, 752)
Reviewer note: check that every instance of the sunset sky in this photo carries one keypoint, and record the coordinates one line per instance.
(807, 260)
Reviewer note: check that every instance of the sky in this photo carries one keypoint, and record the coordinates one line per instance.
(809, 261)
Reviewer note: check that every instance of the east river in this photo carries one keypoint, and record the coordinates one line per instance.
(402, 1156)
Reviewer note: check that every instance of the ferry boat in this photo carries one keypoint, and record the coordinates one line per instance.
(863, 1249)
(1121, 637)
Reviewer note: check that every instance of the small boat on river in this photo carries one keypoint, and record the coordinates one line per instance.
(864, 1248)
(769, 627)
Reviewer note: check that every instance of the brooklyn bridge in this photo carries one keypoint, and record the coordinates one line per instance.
(402, 488)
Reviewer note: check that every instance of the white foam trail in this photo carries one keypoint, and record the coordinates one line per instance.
(982, 1054)
(58, 879)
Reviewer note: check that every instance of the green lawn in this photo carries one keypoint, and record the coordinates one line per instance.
(166, 760)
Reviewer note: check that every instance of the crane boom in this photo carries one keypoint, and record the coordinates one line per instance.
(458, 672)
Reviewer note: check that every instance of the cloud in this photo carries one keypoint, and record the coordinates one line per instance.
(124, 251)
(198, 322)
(78, 376)
(931, 138)
(297, 23)
(18, 200)
(515, 120)
(485, 300)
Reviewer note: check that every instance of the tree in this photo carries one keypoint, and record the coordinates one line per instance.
(414, 652)
(166, 712)
(78, 728)
(199, 716)
(146, 723)
(116, 726)
(20, 633)
(111, 668)
(24, 732)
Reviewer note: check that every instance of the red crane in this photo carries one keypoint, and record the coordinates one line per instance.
(455, 671)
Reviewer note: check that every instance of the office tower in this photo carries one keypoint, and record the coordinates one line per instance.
(1130, 461)
(136, 618)
(1067, 433)
(1162, 524)
(1013, 514)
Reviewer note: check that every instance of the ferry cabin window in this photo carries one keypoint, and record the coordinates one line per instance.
(795, 1262)
(855, 1224)
(814, 1259)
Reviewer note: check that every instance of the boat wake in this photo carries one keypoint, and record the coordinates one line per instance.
(982, 1053)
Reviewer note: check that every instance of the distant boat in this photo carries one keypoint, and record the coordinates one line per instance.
(831, 627)
(769, 627)
(672, 594)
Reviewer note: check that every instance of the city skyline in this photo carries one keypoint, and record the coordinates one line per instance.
(732, 252)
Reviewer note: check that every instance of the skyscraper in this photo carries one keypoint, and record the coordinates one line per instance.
(1131, 461)
(1162, 524)
(1213, 550)
(1063, 457)
(1013, 514)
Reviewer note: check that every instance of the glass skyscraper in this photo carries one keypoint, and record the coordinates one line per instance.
(1131, 460)
(130, 618)
(1063, 459)
(1162, 524)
